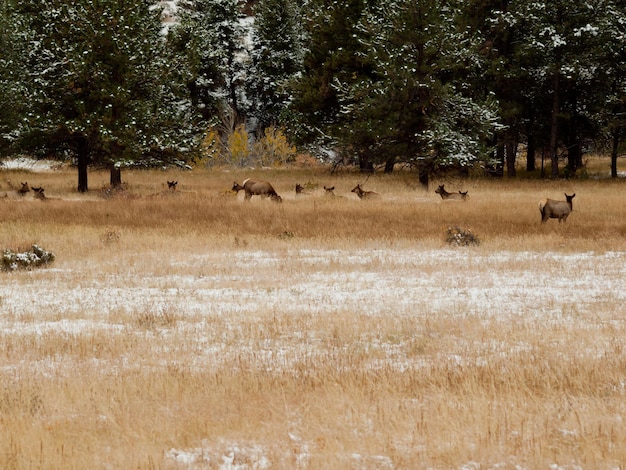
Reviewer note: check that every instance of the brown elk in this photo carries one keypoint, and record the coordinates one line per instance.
(329, 192)
(38, 193)
(257, 188)
(365, 194)
(445, 195)
(300, 190)
(24, 189)
(551, 209)
(171, 185)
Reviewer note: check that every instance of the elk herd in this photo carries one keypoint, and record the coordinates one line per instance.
(549, 208)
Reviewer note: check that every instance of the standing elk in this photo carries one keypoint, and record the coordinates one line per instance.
(551, 209)
(257, 188)
(365, 194)
(445, 195)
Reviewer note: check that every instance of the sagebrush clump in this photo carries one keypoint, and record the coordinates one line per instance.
(26, 259)
(461, 237)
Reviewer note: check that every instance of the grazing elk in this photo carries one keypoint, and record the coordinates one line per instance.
(445, 195)
(171, 185)
(365, 194)
(551, 209)
(257, 188)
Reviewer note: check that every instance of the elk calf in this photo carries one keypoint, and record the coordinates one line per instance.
(365, 194)
(445, 195)
(551, 209)
(257, 188)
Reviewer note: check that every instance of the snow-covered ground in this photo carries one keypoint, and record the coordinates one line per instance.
(375, 282)
(536, 288)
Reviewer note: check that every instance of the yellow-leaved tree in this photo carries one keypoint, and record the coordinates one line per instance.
(273, 148)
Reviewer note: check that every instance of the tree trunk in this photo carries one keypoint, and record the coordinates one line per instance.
(423, 176)
(500, 158)
(614, 149)
(389, 164)
(554, 151)
(574, 158)
(116, 176)
(83, 163)
(365, 165)
(510, 158)
(530, 154)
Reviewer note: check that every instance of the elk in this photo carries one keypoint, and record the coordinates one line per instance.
(300, 190)
(365, 194)
(24, 189)
(38, 193)
(445, 195)
(171, 185)
(551, 209)
(257, 188)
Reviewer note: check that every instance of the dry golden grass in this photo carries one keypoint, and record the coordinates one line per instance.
(114, 357)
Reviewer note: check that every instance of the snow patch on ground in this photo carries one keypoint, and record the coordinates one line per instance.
(539, 289)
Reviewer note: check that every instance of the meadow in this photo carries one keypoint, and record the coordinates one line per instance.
(193, 330)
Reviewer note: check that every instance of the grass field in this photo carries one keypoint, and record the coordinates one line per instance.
(193, 330)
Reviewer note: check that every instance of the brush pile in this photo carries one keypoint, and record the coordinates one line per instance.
(461, 237)
(33, 258)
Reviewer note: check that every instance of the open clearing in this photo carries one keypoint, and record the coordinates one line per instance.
(296, 341)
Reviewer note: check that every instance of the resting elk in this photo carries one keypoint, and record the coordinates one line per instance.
(365, 194)
(24, 189)
(39, 193)
(445, 195)
(257, 188)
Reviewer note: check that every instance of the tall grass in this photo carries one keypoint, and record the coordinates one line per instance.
(150, 384)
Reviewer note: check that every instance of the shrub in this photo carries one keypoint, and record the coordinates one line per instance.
(461, 237)
(26, 260)
(273, 148)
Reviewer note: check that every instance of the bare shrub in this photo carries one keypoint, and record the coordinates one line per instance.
(461, 237)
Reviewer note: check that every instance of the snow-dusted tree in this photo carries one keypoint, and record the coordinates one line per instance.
(210, 34)
(556, 56)
(101, 85)
(416, 104)
(334, 54)
(12, 53)
(276, 57)
(611, 75)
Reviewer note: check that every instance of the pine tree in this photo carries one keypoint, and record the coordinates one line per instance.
(415, 105)
(551, 78)
(334, 55)
(210, 35)
(101, 85)
(12, 54)
(276, 57)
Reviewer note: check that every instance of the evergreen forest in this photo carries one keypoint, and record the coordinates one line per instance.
(432, 85)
